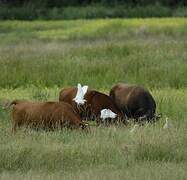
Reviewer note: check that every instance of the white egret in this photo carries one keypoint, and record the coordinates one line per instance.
(107, 113)
(81, 91)
(167, 124)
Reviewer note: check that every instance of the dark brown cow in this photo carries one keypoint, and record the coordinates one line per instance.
(95, 102)
(45, 115)
(134, 101)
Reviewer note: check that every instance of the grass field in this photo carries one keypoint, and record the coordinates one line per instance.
(38, 58)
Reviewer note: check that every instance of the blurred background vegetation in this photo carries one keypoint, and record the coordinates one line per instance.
(88, 9)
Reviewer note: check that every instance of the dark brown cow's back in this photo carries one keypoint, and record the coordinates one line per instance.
(99, 101)
(135, 101)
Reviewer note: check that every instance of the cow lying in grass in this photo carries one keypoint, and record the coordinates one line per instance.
(134, 101)
(44, 115)
(91, 106)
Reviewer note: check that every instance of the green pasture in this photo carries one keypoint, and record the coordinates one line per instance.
(39, 58)
(99, 53)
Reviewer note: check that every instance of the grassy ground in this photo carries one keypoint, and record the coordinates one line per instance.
(38, 58)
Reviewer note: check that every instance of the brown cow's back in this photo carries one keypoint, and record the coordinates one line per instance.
(47, 115)
(67, 95)
(134, 101)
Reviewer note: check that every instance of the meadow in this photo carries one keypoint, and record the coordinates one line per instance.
(39, 58)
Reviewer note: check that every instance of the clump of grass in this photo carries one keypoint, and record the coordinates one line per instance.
(39, 93)
(162, 146)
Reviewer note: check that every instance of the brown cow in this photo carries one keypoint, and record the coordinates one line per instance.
(95, 102)
(45, 115)
(134, 101)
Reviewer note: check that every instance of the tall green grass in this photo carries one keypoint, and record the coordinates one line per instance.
(99, 53)
(103, 153)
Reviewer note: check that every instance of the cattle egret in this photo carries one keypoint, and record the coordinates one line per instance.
(81, 91)
(134, 128)
(107, 113)
(167, 124)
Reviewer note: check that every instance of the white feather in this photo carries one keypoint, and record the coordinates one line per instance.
(81, 91)
(84, 89)
(107, 113)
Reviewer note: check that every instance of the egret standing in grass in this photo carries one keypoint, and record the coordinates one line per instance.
(167, 124)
